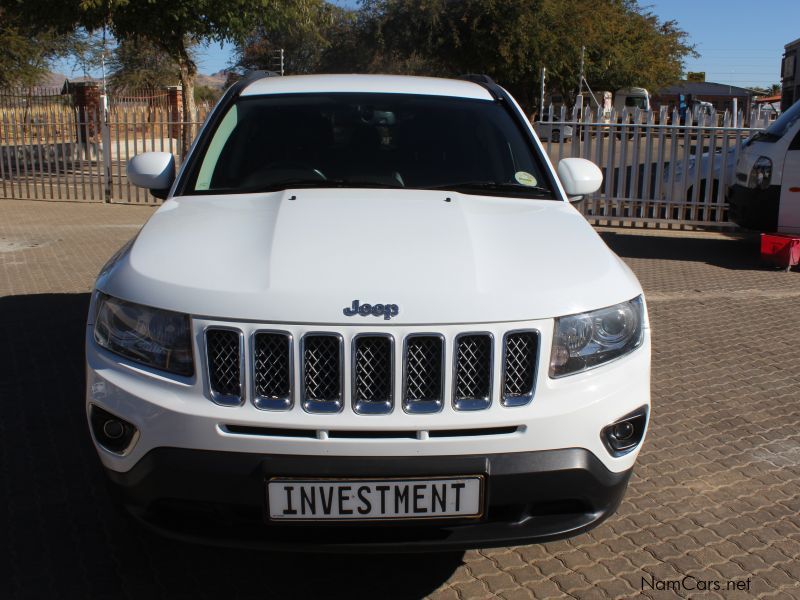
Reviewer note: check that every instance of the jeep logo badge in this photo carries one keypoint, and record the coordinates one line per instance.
(387, 310)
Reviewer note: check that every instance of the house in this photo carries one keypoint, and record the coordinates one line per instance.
(721, 95)
(771, 104)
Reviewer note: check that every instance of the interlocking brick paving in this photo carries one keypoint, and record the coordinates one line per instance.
(715, 494)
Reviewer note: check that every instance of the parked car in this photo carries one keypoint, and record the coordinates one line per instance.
(367, 304)
(766, 193)
(680, 187)
(554, 131)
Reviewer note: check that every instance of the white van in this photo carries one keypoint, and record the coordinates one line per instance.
(631, 99)
(766, 193)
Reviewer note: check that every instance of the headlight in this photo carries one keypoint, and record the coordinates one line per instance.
(590, 339)
(761, 173)
(150, 336)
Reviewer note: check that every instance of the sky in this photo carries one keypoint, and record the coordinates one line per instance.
(739, 42)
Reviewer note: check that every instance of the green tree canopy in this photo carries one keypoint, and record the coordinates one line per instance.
(139, 63)
(26, 51)
(175, 26)
(306, 36)
(509, 40)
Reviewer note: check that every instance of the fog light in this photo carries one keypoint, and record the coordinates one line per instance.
(624, 435)
(113, 429)
(112, 433)
(623, 431)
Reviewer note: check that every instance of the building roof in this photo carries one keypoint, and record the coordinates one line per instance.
(769, 99)
(704, 88)
(392, 84)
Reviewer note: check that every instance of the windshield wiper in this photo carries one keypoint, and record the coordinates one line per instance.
(494, 186)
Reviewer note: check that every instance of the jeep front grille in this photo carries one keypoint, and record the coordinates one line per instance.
(272, 370)
(224, 354)
(322, 368)
(473, 371)
(373, 365)
(374, 374)
(423, 385)
(520, 353)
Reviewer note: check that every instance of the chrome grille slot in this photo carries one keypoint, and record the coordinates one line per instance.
(445, 433)
(520, 356)
(472, 372)
(269, 431)
(373, 367)
(272, 370)
(224, 353)
(423, 373)
(322, 372)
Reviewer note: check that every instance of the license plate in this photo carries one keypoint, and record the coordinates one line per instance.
(374, 499)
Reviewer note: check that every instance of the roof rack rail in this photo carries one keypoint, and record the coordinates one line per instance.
(254, 74)
(477, 78)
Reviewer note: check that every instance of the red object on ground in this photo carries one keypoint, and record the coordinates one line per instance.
(780, 249)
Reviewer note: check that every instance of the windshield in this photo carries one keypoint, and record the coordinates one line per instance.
(636, 101)
(782, 124)
(267, 143)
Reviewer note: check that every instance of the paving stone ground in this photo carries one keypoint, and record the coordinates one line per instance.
(715, 496)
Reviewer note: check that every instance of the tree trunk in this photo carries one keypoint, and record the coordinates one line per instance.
(188, 71)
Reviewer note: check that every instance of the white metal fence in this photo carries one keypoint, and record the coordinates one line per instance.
(657, 170)
(58, 152)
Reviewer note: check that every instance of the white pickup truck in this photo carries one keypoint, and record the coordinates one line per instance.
(367, 316)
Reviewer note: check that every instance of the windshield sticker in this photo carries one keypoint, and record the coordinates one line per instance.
(525, 178)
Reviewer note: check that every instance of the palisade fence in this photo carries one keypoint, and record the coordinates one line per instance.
(657, 171)
(52, 150)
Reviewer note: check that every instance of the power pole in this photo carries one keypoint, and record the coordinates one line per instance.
(277, 61)
(579, 99)
(541, 94)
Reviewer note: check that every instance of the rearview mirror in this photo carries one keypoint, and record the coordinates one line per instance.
(154, 171)
(579, 177)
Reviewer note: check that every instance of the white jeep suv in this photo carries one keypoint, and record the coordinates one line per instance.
(367, 316)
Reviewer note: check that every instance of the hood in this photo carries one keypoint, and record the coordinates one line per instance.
(303, 256)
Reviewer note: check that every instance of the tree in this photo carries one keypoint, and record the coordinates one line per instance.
(176, 25)
(139, 63)
(172, 25)
(510, 40)
(26, 52)
(305, 36)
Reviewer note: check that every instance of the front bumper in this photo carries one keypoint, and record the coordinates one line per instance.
(567, 412)
(220, 498)
(755, 209)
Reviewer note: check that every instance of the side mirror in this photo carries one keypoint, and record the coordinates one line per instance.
(579, 177)
(154, 171)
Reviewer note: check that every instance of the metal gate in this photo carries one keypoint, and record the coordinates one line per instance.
(658, 170)
(51, 150)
